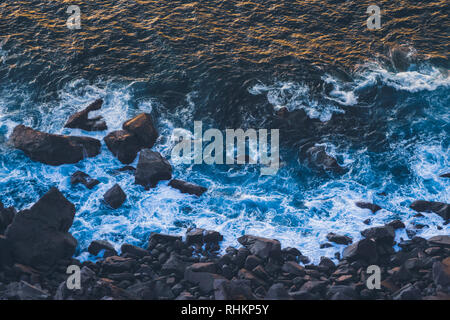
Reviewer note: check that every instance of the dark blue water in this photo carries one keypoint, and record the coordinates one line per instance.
(233, 64)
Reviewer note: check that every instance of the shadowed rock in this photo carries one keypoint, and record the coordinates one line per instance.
(84, 179)
(53, 149)
(320, 159)
(186, 187)
(440, 208)
(123, 145)
(151, 169)
(115, 196)
(233, 290)
(81, 119)
(39, 236)
(445, 175)
(6, 217)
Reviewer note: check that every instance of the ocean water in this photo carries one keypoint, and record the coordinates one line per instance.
(233, 64)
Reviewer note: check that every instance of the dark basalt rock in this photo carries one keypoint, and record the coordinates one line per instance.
(24, 291)
(233, 290)
(384, 234)
(53, 149)
(408, 292)
(441, 273)
(277, 292)
(195, 236)
(186, 187)
(367, 205)
(443, 241)
(81, 119)
(6, 258)
(445, 175)
(440, 208)
(151, 169)
(134, 250)
(262, 247)
(142, 126)
(319, 158)
(123, 145)
(39, 236)
(339, 239)
(98, 245)
(6, 217)
(396, 224)
(115, 196)
(84, 179)
(364, 249)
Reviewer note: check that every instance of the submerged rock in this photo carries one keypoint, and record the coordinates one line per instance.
(53, 149)
(115, 196)
(84, 179)
(152, 168)
(367, 205)
(81, 119)
(401, 58)
(440, 208)
(320, 159)
(39, 236)
(186, 187)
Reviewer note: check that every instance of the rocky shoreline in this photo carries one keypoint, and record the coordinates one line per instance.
(36, 247)
(36, 251)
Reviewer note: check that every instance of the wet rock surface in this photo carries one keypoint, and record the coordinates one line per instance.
(82, 121)
(53, 149)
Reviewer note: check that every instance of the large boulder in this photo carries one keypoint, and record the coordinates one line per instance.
(53, 149)
(6, 217)
(320, 159)
(81, 119)
(115, 196)
(124, 145)
(142, 126)
(138, 133)
(385, 234)
(440, 208)
(186, 187)
(39, 236)
(261, 247)
(151, 169)
(365, 249)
